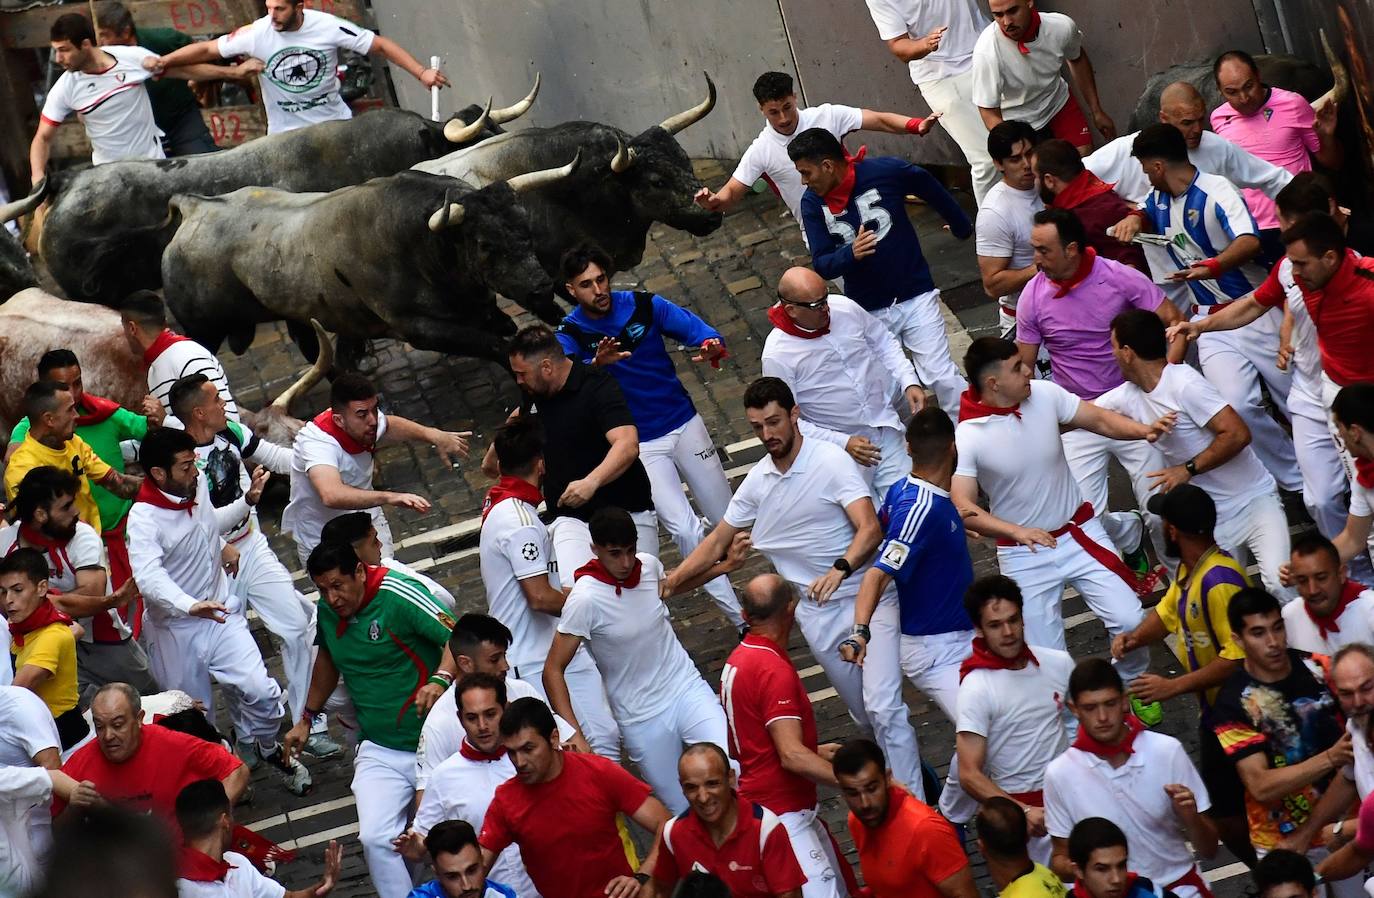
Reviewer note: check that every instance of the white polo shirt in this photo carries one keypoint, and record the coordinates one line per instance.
(461, 788)
(844, 380)
(1019, 460)
(514, 546)
(767, 156)
(1079, 785)
(242, 881)
(1027, 87)
(83, 551)
(306, 514)
(1183, 389)
(917, 18)
(1003, 228)
(113, 105)
(1021, 714)
(1356, 623)
(630, 637)
(798, 518)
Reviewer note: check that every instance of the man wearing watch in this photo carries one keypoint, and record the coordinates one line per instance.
(1208, 446)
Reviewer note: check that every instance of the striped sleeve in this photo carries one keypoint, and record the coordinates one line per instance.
(427, 618)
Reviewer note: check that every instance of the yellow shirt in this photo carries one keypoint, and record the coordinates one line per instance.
(52, 648)
(1038, 883)
(76, 456)
(1194, 610)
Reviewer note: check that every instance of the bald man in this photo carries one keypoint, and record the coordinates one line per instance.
(844, 367)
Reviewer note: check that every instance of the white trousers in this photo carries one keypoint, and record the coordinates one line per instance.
(1235, 361)
(1042, 575)
(1324, 479)
(931, 663)
(572, 542)
(384, 789)
(656, 745)
(1087, 454)
(894, 463)
(920, 327)
(187, 653)
(265, 586)
(588, 696)
(1329, 390)
(688, 455)
(1259, 528)
(815, 852)
(953, 98)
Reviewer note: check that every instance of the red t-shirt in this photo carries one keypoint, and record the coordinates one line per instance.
(571, 817)
(758, 686)
(914, 849)
(166, 762)
(1342, 312)
(755, 861)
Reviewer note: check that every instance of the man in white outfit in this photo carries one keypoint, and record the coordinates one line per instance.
(1002, 230)
(1335, 611)
(30, 761)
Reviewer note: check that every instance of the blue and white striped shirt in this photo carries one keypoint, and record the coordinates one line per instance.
(1200, 225)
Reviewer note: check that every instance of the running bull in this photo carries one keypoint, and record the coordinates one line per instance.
(414, 256)
(624, 185)
(106, 227)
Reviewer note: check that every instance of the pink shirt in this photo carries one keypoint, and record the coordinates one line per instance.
(1076, 330)
(1280, 132)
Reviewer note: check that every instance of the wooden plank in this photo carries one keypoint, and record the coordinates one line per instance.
(206, 18)
(17, 115)
(229, 126)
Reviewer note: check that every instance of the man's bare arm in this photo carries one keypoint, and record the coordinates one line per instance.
(125, 486)
(1000, 279)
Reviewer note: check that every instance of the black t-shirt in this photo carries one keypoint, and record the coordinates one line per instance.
(575, 422)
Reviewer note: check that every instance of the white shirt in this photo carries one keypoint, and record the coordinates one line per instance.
(798, 518)
(1019, 461)
(306, 514)
(23, 792)
(113, 105)
(1021, 715)
(184, 357)
(1003, 228)
(461, 789)
(1361, 500)
(242, 881)
(845, 380)
(84, 551)
(644, 666)
(917, 18)
(1079, 785)
(1356, 623)
(176, 557)
(1114, 164)
(1362, 771)
(221, 464)
(1183, 389)
(1305, 392)
(767, 155)
(300, 84)
(435, 588)
(1027, 87)
(514, 546)
(26, 728)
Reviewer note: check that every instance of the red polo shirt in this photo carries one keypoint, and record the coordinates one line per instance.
(911, 851)
(1343, 313)
(755, 861)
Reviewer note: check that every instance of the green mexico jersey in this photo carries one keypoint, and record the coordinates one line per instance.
(386, 652)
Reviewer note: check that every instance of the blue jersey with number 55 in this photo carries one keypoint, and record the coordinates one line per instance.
(897, 270)
(926, 552)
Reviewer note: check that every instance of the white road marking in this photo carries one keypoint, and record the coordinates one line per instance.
(338, 832)
(1230, 871)
(323, 807)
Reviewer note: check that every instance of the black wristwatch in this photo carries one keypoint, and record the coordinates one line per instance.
(642, 878)
(864, 631)
(1191, 467)
(842, 564)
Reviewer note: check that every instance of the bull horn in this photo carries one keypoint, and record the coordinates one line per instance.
(531, 180)
(675, 123)
(624, 157)
(1341, 88)
(306, 382)
(451, 215)
(11, 211)
(511, 113)
(457, 132)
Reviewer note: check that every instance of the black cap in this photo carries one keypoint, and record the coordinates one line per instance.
(1187, 507)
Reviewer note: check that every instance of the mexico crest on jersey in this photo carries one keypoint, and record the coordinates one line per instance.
(374, 632)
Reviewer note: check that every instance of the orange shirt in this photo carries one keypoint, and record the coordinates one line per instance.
(911, 851)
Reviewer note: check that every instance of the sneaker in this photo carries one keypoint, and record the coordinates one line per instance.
(247, 753)
(1138, 559)
(320, 746)
(293, 773)
(1151, 715)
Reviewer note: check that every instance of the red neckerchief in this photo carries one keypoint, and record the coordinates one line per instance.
(783, 322)
(597, 571)
(1032, 32)
(1364, 473)
(983, 658)
(1126, 745)
(1349, 593)
(57, 551)
(1082, 188)
(325, 421)
(197, 866)
(1085, 268)
(838, 197)
(510, 488)
(94, 409)
(372, 582)
(970, 406)
(473, 753)
(46, 613)
(1080, 891)
(258, 849)
(150, 494)
(159, 346)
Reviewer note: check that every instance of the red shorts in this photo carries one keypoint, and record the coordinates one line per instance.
(1070, 124)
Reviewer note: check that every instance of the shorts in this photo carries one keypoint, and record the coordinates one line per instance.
(1219, 775)
(1068, 124)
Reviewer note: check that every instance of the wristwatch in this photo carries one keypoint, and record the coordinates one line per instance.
(1191, 467)
(842, 564)
(862, 630)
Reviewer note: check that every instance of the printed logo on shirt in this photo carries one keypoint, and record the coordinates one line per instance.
(120, 76)
(374, 632)
(1193, 215)
(529, 551)
(1268, 114)
(736, 866)
(895, 553)
(636, 331)
(297, 69)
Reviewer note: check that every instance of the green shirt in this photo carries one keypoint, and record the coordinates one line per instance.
(171, 97)
(104, 438)
(386, 653)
